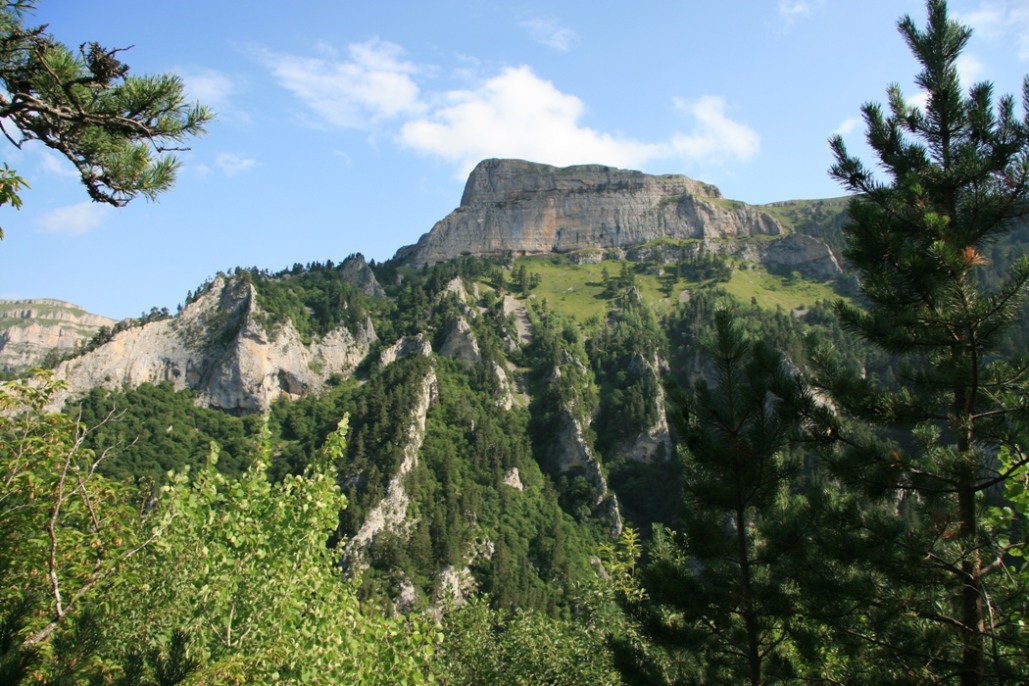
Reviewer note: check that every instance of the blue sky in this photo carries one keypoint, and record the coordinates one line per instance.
(350, 126)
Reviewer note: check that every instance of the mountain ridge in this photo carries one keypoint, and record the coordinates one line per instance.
(531, 208)
(32, 327)
(508, 207)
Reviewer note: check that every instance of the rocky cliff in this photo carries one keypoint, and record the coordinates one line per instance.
(29, 329)
(390, 514)
(524, 207)
(355, 271)
(219, 347)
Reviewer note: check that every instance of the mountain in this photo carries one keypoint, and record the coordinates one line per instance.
(527, 208)
(224, 347)
(221, 347)
(29, 329)
(504, 377)
(507, 412)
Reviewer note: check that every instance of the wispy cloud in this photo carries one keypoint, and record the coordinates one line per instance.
(791, 11)
(919, 100)
(848, 126)
(208, 85)
(232, 164)
(52, 163)
(514, 113)
(716, 138)
(970, 69)
(1001, 19)
(551, 33)
(75, 219)
(517, 114)
(214, 89)
(374, 84)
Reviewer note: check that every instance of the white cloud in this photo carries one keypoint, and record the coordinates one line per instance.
(716, 138)
(550, 33)
(208, 85)
(75, 219)
(52, 163)
(970, 69)
(214, 89)
(232, 164)
(513, 114)
(919, 100)
(848, 126)
(373, 85)
(999, 19)
(326, 50)
(988, 18)
(792, 10)
(517, 114)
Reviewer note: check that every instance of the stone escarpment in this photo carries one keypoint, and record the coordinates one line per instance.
(219, 348)
(390, 514)
(794, 252)
(523, 207)
(29, 329)
(654, 443)
(571, 449)
(355, 271)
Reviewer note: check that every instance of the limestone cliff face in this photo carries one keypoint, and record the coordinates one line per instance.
(573, 453)
(654, 443)
(460, 342)
(794, 252)
(357, 273)
(513, 205)
(219, 348)
(29, 329)
(391, 512)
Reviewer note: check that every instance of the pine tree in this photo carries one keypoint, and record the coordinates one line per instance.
(955, 180)
(719, 587)
(90, 110)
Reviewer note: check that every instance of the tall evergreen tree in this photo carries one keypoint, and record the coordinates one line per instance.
(719, 587)
(955, 179)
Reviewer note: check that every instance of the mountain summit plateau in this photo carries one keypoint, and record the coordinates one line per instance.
(525, 207)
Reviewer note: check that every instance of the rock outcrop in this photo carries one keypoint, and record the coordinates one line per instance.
(808, 256)
(355, 271)
(575, 456)
(654, 444)
(390, 514)
(524, 207)
(804, 254)
(405, 347)
(505, 395)
(29, 329)
(219, 347)
(460, 342)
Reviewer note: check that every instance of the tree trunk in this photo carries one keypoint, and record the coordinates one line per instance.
(973, 660)
(749, 615)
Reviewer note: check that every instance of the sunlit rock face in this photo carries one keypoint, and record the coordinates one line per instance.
(524, 207)
(355, 271)
(219, 347)
(31, 328)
